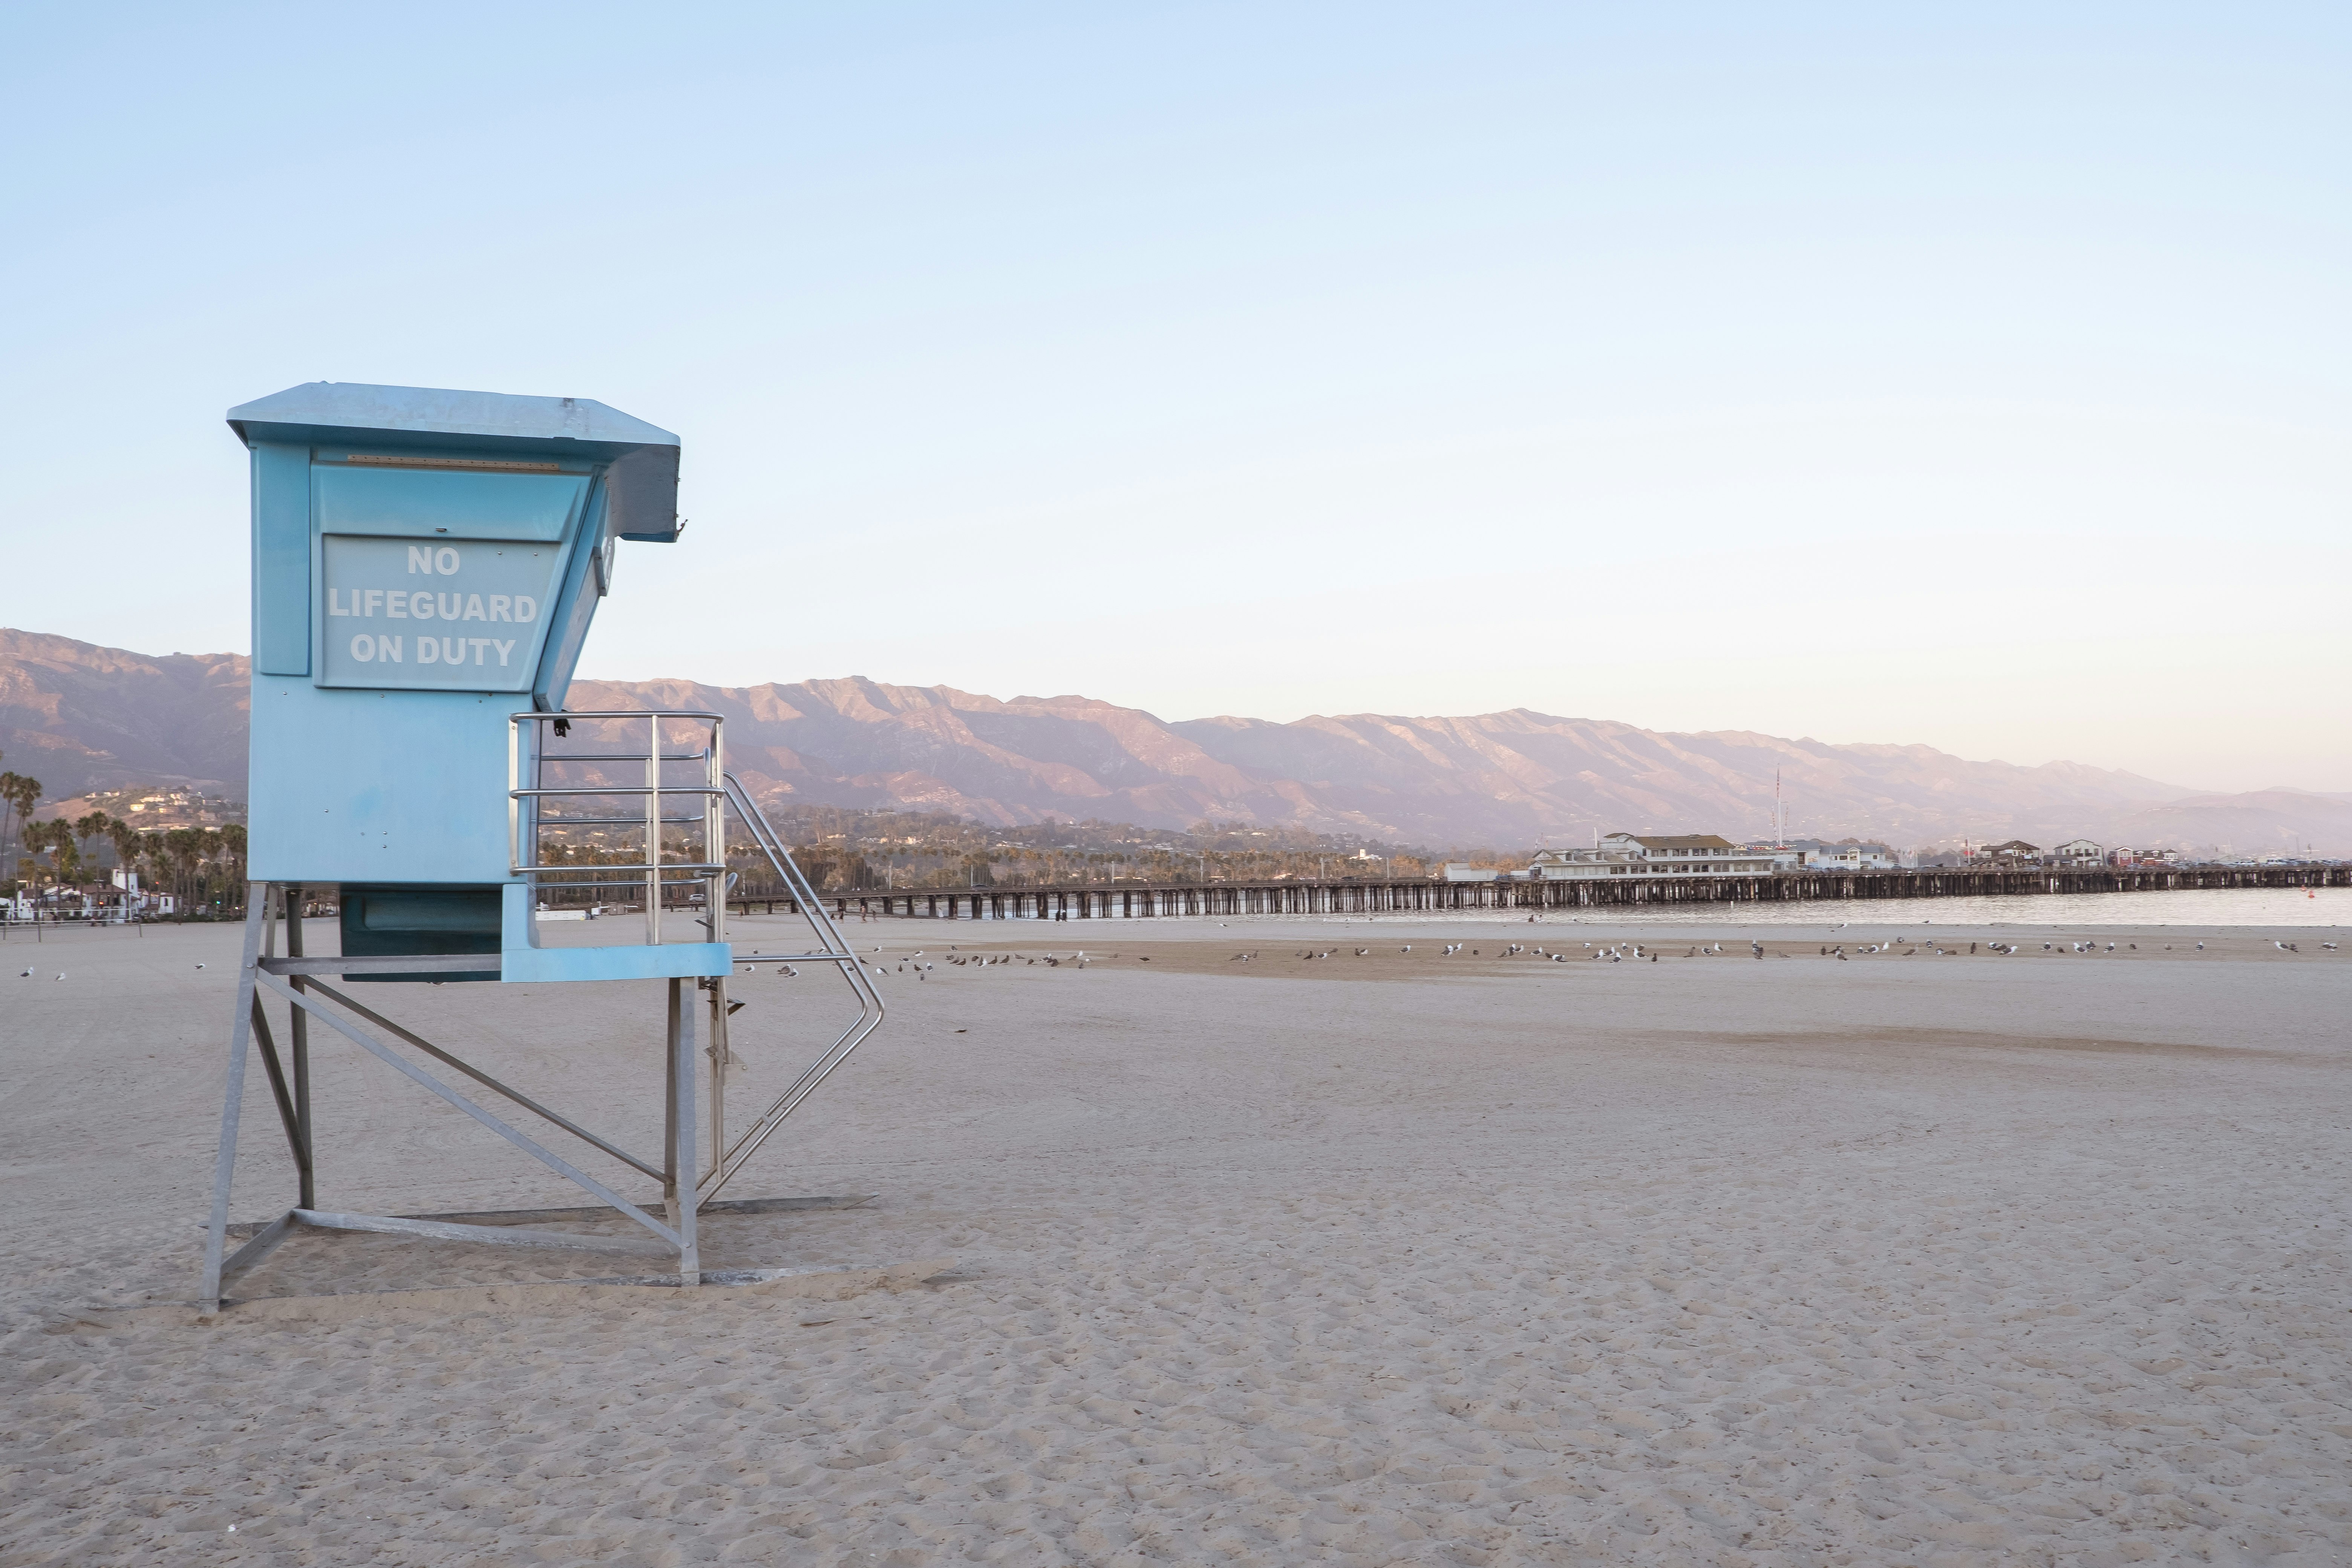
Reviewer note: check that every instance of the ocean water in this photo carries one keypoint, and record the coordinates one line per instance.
(2183, 906)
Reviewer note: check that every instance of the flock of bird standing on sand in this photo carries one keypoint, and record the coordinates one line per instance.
(1611, 953)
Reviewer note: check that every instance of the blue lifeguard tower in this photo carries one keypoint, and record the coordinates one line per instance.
(426, 566)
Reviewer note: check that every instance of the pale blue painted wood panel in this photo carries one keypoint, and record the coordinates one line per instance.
(356, 786)
(671, 961)
(281, 559)
(423, 503)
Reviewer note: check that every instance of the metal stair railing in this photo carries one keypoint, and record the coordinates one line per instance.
(833, 949)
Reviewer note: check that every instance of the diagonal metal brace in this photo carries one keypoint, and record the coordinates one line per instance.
(489, 1234)
(478, 1076)
(265, 1242)
(308, 1000)
(287, 1112)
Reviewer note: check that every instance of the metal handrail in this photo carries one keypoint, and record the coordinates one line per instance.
(717, 790)
(522, 801)
(617, 756)
(837, 951)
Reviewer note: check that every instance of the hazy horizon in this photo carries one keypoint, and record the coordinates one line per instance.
(1975, 382)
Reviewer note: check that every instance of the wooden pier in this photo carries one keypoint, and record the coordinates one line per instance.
(1418, 896)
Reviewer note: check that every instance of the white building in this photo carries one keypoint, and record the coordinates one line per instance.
(1652, 854)
(2077, 852)
(1576, 865)
(1845, 855)
(136, 900)
(1463, 871)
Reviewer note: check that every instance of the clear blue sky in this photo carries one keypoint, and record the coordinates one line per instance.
(1976, 377)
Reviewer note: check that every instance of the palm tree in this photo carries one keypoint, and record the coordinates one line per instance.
(127, 844)
(179, 850)
(232, 841)
(157, 859)
(18, 795)
(90, 828)
(210, 844)
(41, 838)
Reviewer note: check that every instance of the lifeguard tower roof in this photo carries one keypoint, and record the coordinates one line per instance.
(644, 458)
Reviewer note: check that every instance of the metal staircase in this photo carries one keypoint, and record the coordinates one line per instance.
(832, 948)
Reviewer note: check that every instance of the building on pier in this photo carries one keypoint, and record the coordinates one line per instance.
(1575, 864)
(1682, 855)
(1845, 855)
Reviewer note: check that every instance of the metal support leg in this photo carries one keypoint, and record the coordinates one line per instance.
(678, 1183)
(669, 1105)
(718, 1053)
(240, 1036)
(299, 1047)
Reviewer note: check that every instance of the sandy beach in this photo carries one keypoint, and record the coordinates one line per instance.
(1905, 1257)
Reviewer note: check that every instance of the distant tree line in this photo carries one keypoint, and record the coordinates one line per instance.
(202, 868)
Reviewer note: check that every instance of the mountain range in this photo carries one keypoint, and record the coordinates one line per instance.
(84, 718)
